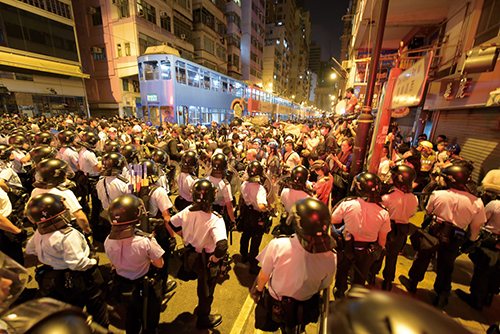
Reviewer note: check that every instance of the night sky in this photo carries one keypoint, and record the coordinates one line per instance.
(327, 26)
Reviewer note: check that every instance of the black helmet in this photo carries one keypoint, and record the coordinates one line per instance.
(368, 185)
(254, 171)
(5, 152)
(66, 138)
(9, 127)
(31, 137)
(152, 170)
(125, 209)
(160, 157)
(376, 312)
(47, 208)
(112, 164)
(311, 221)
(456, 176)
(89, 139)
(42, 152)
(403, 177)
(51, 172)
(112, 146)
(18, 141)
(299, 177)
(189, 161)
(203, 193)
(236, 122)
(129, 152)
(18, 131)
(219, 165)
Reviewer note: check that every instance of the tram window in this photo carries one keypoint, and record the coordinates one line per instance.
(151, 70)
(194, 115)
(180, 72)
(215, 114)
(215, 82)
(140, 72)
(206, 80)
(224, 85)
(205, 115)
(165, 70)
(231, 87)
(193, 79)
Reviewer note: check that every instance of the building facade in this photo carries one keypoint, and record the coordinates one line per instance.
(300, 79)
(252, 40)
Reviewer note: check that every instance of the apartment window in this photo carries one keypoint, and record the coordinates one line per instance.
(235, 18)
(208, 45)
(489, 22)
(147, 11)
(280, 9)
(182, 29)
(123, 8)
(97, 17)
(165, 22)
(236, 61)
(135, 85)
(119, 47)
(125, 85)
(221, 52)
(145, 41)
(127, 49)
(100, 56)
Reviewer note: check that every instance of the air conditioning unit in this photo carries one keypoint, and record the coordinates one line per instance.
(141, 13)
(163, 14)
(347, 64)
(183, 37)
(91, 10)
(95, 49)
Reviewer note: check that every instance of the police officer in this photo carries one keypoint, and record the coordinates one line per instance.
(300, 267)
(113, 184)
(454, 210)
(21, 162)
(186, 179)
(69, 273)
(253, 203)
(43, 139)
(204, 236)
(112, 146)
(402, 205)
(162, 160)
(90, 166)
(295, 191)
(486, 258)
(132, 252)
(52, 179)
(223, 202)
(131, 154)
(366, 225)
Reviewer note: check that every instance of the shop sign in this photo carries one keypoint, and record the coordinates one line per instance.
(457, 91)
(400, 112)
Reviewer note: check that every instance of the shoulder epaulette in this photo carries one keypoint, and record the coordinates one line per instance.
(143, 234)
(61, 188)
(217, 214)
(382, 206)
(122, 178)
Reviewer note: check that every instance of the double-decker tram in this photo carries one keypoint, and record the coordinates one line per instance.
(176, 90)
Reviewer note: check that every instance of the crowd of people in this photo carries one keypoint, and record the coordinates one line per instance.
(136, 188)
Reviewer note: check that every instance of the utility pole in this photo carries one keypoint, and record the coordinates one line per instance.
(365, 120)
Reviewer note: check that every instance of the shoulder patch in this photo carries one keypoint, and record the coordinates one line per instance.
(122, 178)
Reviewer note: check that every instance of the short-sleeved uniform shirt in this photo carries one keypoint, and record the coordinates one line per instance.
(185, 182)
(159, 200)
(364, 220)
(114, 186)
(253, 194)
(61, 251)
(87, 160)
(224, 195)
(70, 200)
(295, 272)
(457, 207)
(17, 165)
(493, 216)
(401, 206)
(200, 229)
(290, 196)
(5, 205)
(70, 156)
(9, 176)
(132, 256)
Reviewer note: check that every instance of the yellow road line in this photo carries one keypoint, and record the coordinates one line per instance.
(243, 316)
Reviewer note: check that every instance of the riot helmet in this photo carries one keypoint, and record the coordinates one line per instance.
(152, 170)
(403, 177)
(311, 219)
(66, 138)
(51, 173)
(5, 152)
(112, 164)
(160, 157)
(203, 193)
(129, 152)
(31, 137)
(18, 141)
(255, 171)
(18, 131)
(299, 177)
(236, 122)
(9, 127)
(219, 165)
(42, 152)
(189, 162)
(457, 176)
(112, 146)
(13, 279)
(454, 149)
(376, 312)
(89, 140)
(367, 185)
(125, 210)
(48, 212)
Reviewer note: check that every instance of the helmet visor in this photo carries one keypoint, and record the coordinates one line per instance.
(13, 279)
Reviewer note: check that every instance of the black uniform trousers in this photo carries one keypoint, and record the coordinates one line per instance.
(205, 288)
(362, 261)
(447, 252)
(251, 230)
(96, 202)
(396, 239)
(486, 278)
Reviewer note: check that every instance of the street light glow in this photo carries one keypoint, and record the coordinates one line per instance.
(333, 76)
(332, 97)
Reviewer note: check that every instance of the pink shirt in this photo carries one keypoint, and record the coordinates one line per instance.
(493, 216)
(401, 206)
(290, 196)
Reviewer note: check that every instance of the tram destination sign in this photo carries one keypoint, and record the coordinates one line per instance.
(152, 97)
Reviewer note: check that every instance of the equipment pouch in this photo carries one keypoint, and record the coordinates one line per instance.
(348, 245)
(277, 313)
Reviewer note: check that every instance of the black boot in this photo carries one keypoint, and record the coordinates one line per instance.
(441, 300)
(409, 284)
(210, 321)
(469, 299)
(386, 285)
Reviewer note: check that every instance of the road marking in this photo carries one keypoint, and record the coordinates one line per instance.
(243, 316)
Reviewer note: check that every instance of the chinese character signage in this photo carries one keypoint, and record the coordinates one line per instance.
(410, 84)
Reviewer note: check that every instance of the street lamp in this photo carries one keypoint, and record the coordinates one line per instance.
(332, 98)
(333, 76)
